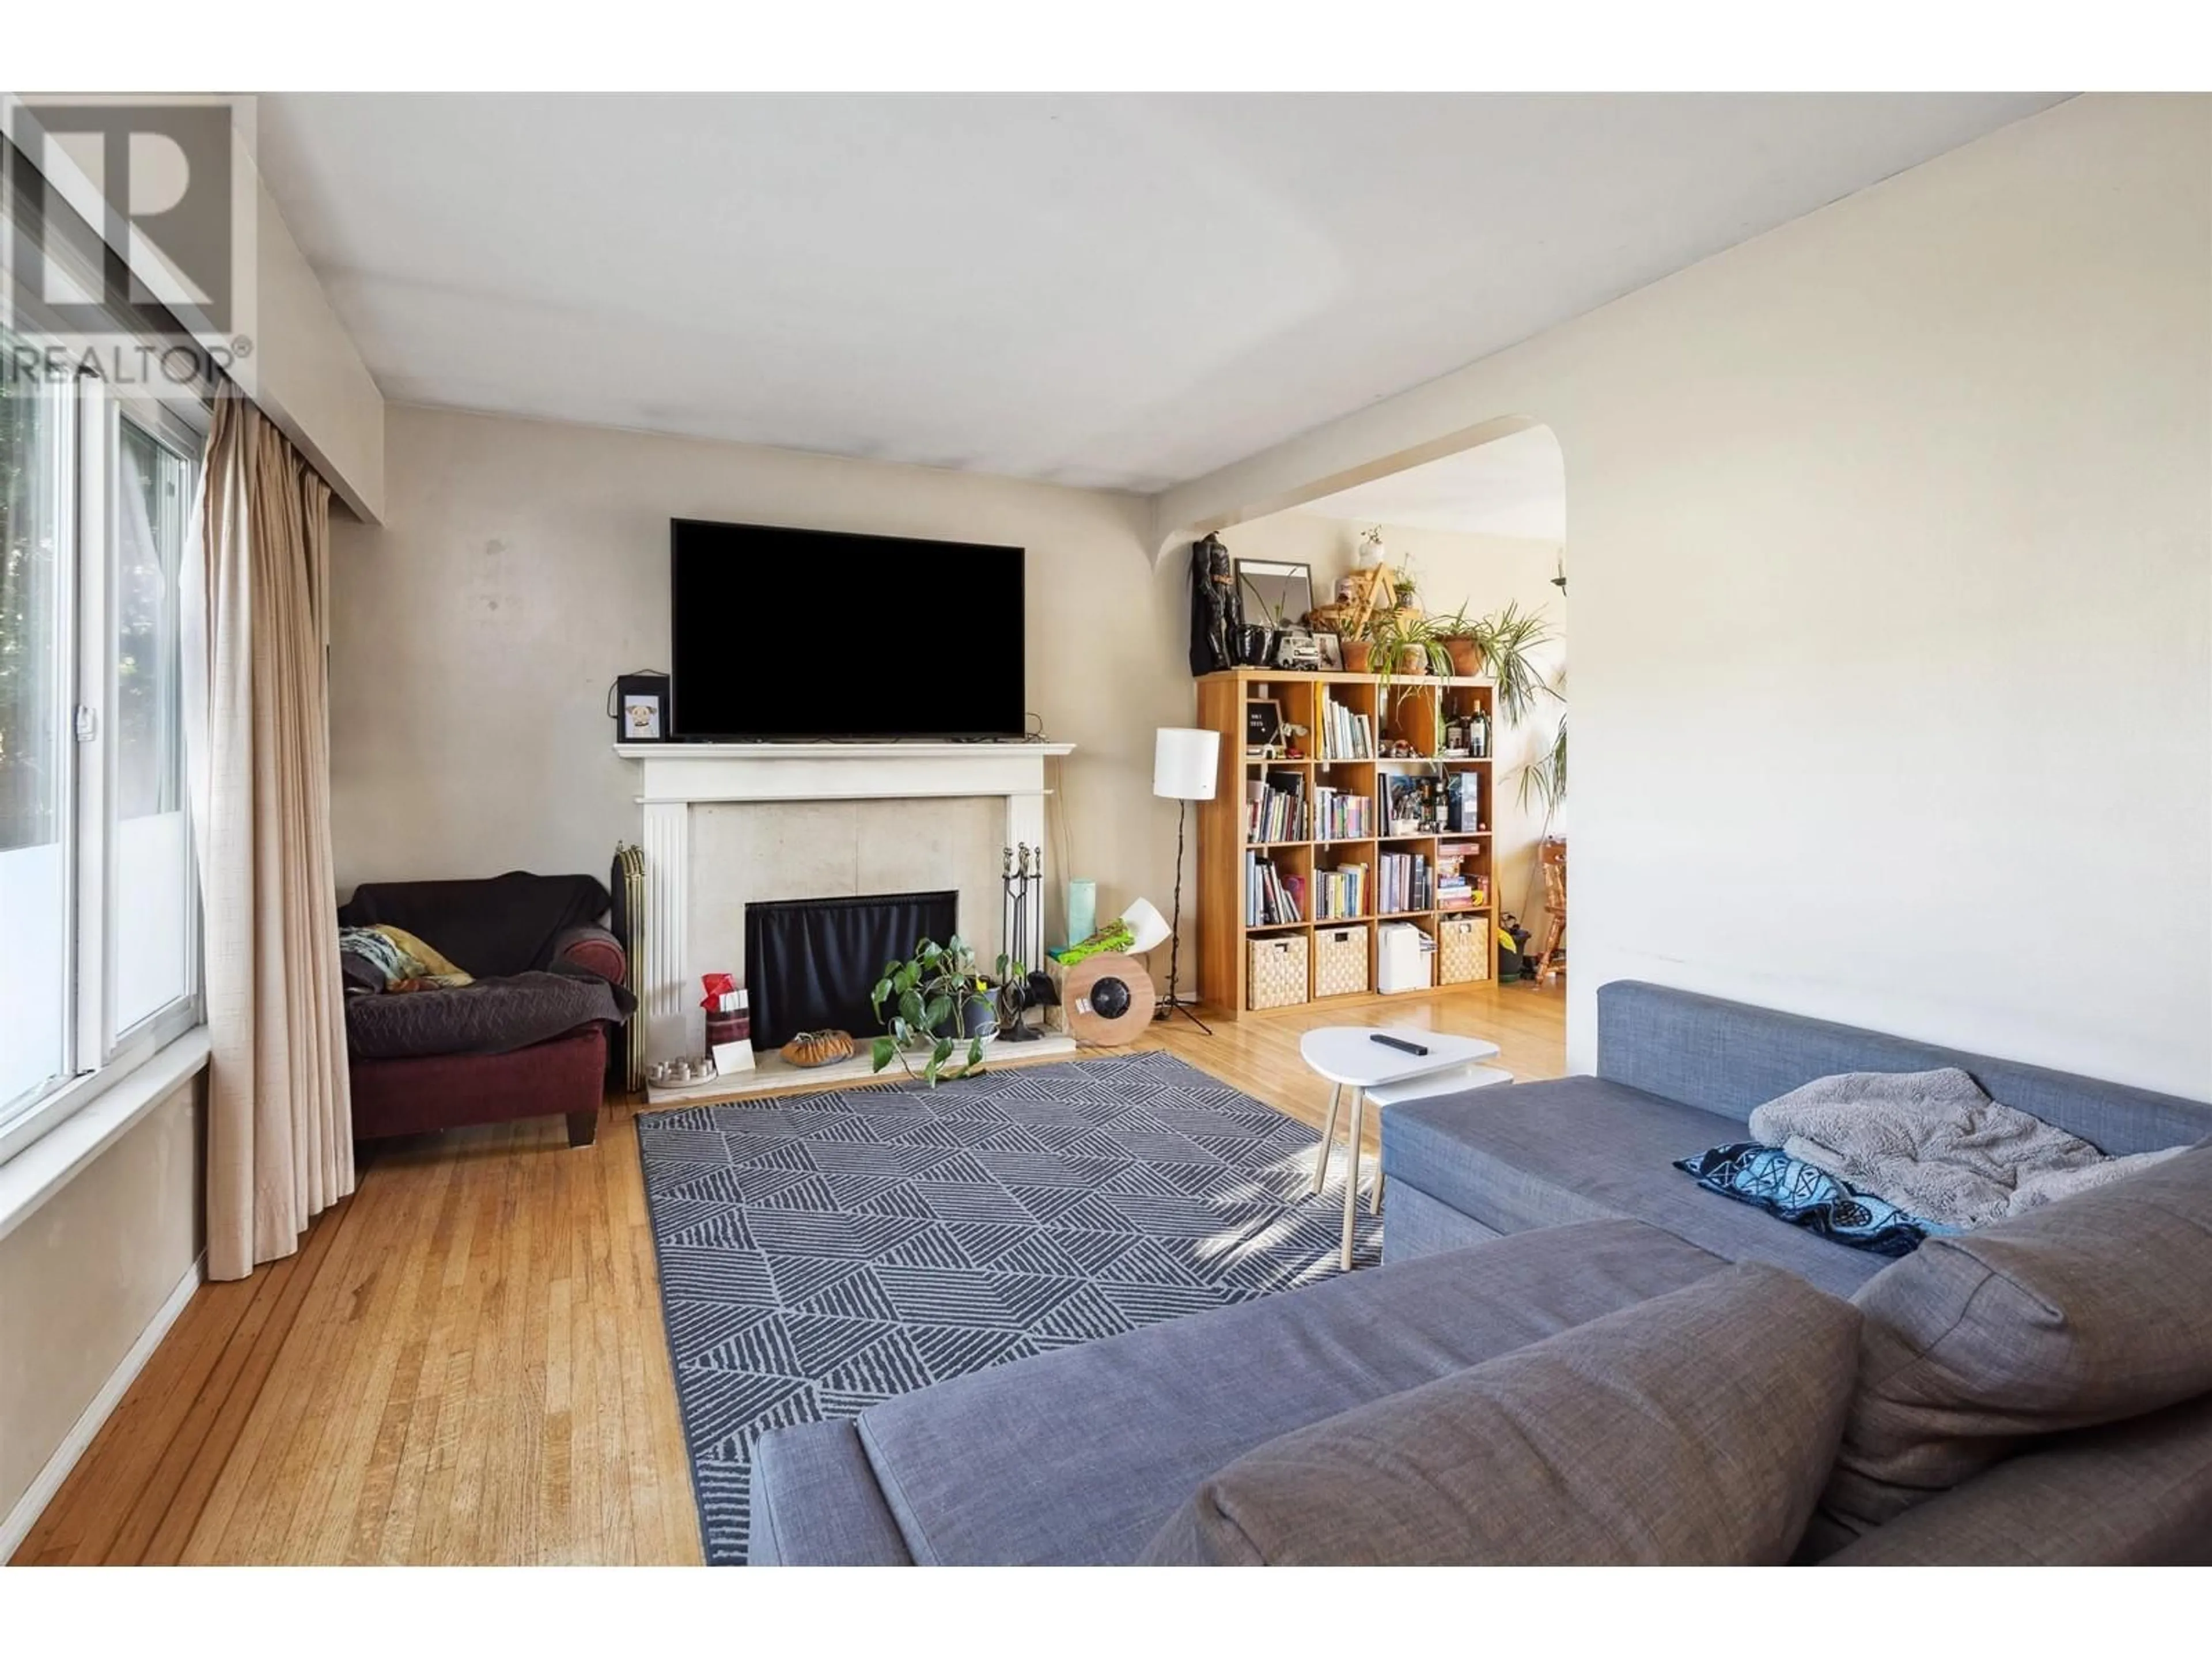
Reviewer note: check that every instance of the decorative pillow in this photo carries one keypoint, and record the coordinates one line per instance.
(1694, 1429)
(404, 961)
(2085, 1311)
(1807, 1196)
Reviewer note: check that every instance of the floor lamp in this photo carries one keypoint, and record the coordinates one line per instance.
(1185, 762)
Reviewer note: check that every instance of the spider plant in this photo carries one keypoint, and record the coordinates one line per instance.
(1395, 640)
(1545, 778)
(1507, 639)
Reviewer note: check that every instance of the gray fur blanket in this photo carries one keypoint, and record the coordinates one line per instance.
(1933, 1144)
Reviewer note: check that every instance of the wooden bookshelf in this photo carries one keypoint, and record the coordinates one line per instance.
(1412, 710)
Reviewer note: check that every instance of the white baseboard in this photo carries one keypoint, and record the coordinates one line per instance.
(34, 1502)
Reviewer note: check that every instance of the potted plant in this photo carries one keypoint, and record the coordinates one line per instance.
(1255, 641)
(1501, 642)
(1405, 644)
(936, 1000)
(1457, 634)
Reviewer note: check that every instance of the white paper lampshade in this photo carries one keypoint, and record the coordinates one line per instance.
(1147, 922)
(1184, 761)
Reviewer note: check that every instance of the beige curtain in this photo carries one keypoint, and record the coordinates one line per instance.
(280, 1115)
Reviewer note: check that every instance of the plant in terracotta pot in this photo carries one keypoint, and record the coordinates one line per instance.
(1406, 646)
(1457, 634)
(1500, 644)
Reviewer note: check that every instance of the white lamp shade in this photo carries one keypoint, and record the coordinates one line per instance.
(1147, 922)
(1184, 762)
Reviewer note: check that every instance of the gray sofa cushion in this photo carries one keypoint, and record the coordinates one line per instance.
(816, 1503)
(1538, 1154)
(1735, 1388)
(1077, 1456)
(2137, 1493)
(1729, 1057)
(2085, 1312)
(1421, 1225)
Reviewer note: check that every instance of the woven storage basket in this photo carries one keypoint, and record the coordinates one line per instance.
(1461, 957)
(1339, 962)
(1277, 971)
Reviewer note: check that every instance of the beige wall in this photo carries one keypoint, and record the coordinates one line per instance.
(1892, 630)
(1485, 574)
(81, 1280)
(523, 565)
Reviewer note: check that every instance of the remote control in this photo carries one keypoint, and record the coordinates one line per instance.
(1397, 1042)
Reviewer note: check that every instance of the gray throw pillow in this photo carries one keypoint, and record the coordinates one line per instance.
(1695, 1428)
(2087, 1312)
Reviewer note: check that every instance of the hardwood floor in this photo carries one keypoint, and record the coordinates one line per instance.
(465, 1363)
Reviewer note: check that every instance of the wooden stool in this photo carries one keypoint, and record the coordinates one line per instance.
(1551, 860)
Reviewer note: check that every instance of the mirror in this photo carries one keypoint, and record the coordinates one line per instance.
(1272, 593)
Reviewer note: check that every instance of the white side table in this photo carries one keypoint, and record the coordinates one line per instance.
(1350, 1058)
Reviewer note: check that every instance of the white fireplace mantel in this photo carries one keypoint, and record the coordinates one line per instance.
(700, 772)
(674, 777)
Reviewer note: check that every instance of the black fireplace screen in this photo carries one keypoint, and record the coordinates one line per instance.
(810, 963)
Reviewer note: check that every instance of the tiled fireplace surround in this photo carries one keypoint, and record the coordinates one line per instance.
(727, 824)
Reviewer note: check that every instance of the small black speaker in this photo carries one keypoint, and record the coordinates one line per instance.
(1110, 998)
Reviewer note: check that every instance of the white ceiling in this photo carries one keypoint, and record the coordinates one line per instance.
(1512, 486)
(1114, 290)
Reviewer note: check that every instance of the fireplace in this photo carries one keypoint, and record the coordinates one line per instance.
(810, 963)
(787, 820)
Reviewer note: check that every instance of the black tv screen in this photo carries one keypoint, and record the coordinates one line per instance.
(787, 634)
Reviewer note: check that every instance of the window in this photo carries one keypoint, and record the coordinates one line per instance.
(99, 896)
(35, 755)
(150, 917)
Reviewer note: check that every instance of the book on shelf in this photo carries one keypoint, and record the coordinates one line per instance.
(1463, 803)
(1405, 882)
(1458, 886)
(1270, 896)
(1276, 807)
(1342, 815)
(1344, 735)
(1340, 895)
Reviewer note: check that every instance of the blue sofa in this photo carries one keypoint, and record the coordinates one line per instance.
(1677, 1074)
(1514, 1213)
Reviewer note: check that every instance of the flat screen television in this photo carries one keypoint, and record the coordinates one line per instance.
(780, 634)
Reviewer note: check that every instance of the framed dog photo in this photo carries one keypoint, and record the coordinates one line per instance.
(641, 708)
(1331, 649)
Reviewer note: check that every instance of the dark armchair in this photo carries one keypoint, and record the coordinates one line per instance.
(512, 930)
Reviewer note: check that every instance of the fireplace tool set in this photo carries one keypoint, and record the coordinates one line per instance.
(1022, 927)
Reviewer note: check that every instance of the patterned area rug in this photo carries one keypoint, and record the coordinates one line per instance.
(822, 1252)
